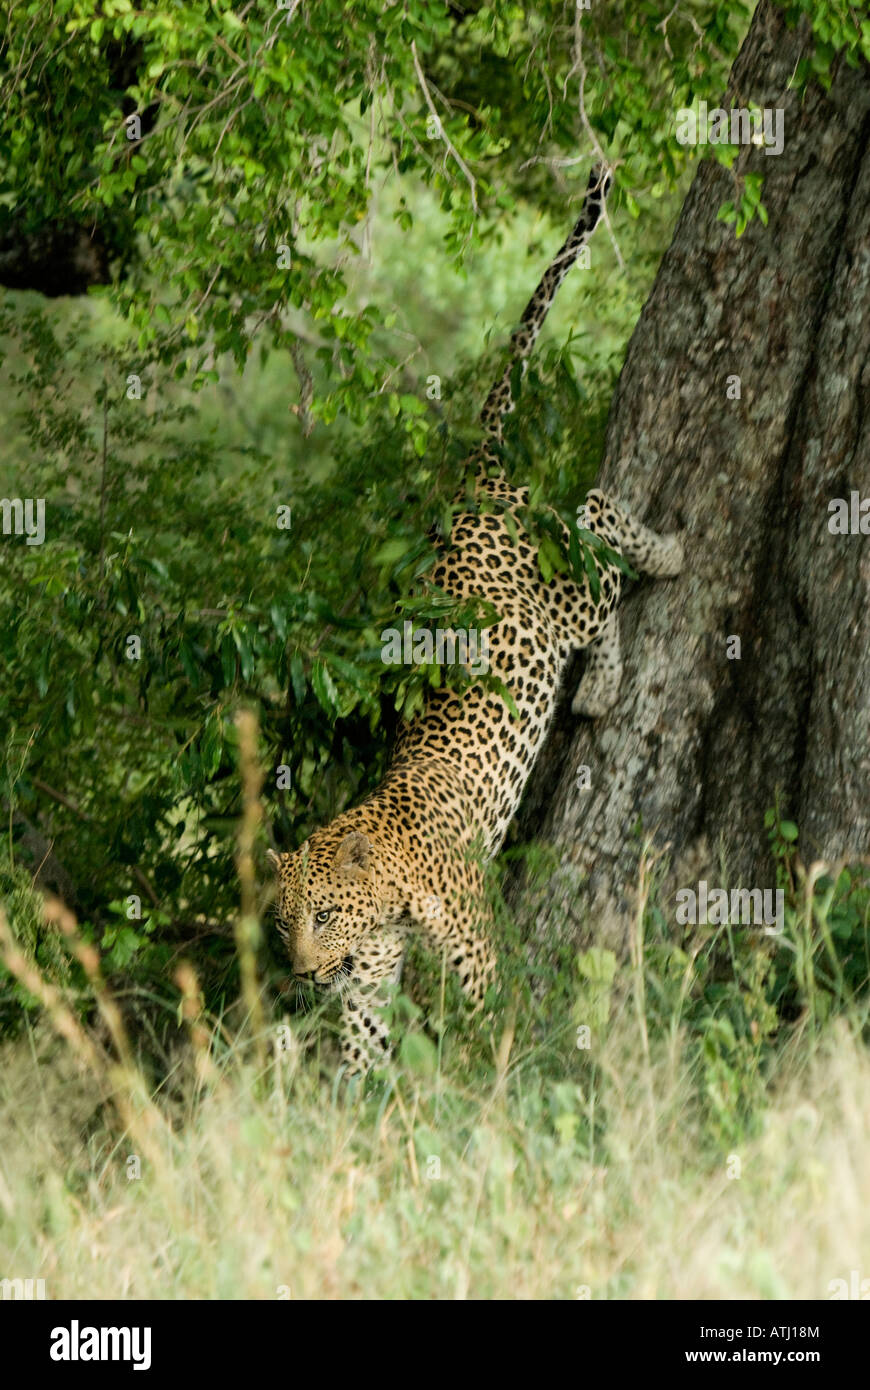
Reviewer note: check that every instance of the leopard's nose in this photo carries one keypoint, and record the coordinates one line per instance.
(303, 961)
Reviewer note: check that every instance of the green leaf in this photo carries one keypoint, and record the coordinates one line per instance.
(324, 689)
(391, 551)
(592, 574)
(228, 661)
(419, 1054)
(297, 678)
(550, 558)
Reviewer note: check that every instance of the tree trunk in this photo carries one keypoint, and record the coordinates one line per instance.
(699, 746)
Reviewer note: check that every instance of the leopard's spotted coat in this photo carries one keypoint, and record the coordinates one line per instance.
(409, 857)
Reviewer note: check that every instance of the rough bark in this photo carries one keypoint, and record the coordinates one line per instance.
(699, 746)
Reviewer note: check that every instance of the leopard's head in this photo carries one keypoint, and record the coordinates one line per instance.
(326, 902)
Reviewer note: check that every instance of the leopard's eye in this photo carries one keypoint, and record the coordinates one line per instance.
(324, 916)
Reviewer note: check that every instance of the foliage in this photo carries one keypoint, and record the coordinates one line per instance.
(745, 995)
(349, 198)
(208, 550)
(25, 909)
(274, 128)
(653, 1161)
(168, 592)
(839, 29)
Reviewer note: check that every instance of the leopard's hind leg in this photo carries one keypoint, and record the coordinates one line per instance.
(646, 551)
(602, 676)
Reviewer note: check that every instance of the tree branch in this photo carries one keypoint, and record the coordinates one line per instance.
(472, 183)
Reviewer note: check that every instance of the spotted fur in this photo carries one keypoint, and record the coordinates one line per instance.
(410, 857)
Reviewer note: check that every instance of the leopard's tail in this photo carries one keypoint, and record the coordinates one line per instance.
(500, 401)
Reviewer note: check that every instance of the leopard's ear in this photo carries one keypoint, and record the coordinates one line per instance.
(273, 858)
(354, 853)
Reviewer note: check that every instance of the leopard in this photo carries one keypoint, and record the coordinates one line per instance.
(410, 860)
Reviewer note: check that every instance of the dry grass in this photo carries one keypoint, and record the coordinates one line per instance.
(661, 1163)
(265, 1183)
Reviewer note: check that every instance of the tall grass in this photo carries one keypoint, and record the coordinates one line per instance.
(469, 1181)
(711, 1140)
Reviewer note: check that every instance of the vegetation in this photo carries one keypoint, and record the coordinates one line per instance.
(308, 251)
(653, 1157)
